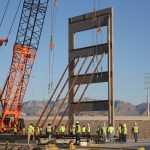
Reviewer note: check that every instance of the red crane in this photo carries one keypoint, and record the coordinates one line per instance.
(24, 53)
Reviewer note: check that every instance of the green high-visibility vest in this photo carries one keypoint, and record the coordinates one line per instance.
(78, 129)
(111, 129)
(30, 129)
(135, 129)
(124, 130)
(62, 129)
(49, 128)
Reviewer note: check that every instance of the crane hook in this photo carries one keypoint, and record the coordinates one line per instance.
(3, 41)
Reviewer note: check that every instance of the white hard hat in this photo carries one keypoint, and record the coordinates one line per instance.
(135, 123)
(88, 124)
(73, 125)
(104, 124)
(77, 121)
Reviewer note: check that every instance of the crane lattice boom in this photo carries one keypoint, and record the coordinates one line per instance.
(24, 53)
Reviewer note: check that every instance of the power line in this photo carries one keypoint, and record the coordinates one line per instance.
(147, 87)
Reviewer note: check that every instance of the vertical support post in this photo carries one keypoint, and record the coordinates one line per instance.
(71, 70)
(110, 69)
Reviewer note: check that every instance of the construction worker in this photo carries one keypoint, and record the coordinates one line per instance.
(78, 132)
(119, 132)
(23, 130)
(104, 133)
(41, 130)
(15, 130)
(38, 130)
(62, 129)
(88, 129)
(49, 129)
(30, 132)
(56, 129)
(135, 131)
(124, 133)
(72, 130)
(111, 131)
(83, 130)
(98, 130)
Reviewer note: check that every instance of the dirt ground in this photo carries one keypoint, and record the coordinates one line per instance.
(94, 121)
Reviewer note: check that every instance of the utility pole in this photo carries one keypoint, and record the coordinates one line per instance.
(147, 87)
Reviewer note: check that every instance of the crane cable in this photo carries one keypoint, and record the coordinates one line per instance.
(14, 19)
(4, 12)
(51, 47)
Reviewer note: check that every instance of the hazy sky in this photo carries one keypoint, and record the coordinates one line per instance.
(131, 47)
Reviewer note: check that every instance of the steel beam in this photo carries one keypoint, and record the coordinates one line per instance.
(98, 77)
(88, 24)
(87, 16)
(92, 106)
(84, 51)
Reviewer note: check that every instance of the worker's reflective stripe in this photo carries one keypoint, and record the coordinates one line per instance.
(135, 129)
(83, 129)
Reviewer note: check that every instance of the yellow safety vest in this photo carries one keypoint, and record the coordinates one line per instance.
(78, 129)
(135, 129)
(111, 129)
(72, 130)
(124, 130)
(88, 129)
(15, 129)
(49, 129)
(30, 129)
(62, 129)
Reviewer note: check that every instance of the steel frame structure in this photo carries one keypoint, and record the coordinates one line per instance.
(83, 23)
(24, 53)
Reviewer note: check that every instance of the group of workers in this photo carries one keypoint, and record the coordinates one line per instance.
(104, 133)
(108, 133)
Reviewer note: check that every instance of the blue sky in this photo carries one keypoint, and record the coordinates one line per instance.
(131, 47)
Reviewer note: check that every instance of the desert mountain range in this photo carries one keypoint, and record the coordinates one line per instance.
(35, 107)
